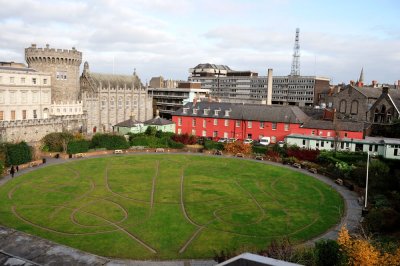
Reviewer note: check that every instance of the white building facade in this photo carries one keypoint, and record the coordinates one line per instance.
(24, 93)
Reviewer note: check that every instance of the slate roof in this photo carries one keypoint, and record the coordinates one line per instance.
(250, 112)
(128, 123)
(158, 121)
(329, 125)
(115, 81)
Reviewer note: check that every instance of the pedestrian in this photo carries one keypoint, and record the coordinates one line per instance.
(12, 171)
(17, 168)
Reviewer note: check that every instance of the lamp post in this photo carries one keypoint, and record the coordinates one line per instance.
(366, 183)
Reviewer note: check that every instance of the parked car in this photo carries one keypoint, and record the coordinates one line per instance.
(265, 141)
(231, 140)
(247, 141)
(223, 140)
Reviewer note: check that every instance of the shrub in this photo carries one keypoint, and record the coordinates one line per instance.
(1, 167)
(185, 139)
(18, 153)
(57, 141)
(382, 219)
(151, 131)
(303, 154)
(237, 147)
(328, 253)
(259, 149)
(279, 249)
(110, 142)
(78, 146)
(213, 145)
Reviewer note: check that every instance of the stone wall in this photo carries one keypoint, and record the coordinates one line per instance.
(33, 130)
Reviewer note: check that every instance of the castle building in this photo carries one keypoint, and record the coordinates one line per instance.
(110, 99)
(63, 66)
(248, 87)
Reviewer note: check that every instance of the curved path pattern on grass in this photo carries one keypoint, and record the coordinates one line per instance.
(351, 217)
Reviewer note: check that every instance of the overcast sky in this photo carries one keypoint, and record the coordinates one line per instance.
(167, 37)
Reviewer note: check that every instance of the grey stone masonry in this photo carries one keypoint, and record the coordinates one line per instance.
(63, 65)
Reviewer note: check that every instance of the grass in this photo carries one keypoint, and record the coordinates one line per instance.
(168, 206)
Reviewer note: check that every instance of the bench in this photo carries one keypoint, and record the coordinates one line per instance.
(217, 152)
(118, 152)
(259, 157)
(160, 150)
(79, 155)
(339, 181)
(313, 170)
(297, 165)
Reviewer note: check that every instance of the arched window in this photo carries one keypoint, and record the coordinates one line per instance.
(376, 115)
(342, 106)
(354, 107)
(104, 101)
(112, 101)
(389, 115)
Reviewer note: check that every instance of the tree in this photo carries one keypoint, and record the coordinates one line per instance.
(362, 252)
(328, 253)
(151, 131)
(379, 177)
(57, 141)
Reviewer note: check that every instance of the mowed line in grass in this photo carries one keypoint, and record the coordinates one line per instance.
(168, 206)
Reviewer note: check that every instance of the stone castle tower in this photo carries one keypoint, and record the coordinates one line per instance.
(63, 65)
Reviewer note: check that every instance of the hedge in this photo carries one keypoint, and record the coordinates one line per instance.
(212, 145)
(17, 154)
(78, 146)
(110, 142)
(155, 142)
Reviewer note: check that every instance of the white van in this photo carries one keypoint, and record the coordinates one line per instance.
(265, 141)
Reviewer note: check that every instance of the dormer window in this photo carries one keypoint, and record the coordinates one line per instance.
(216, 112)
(206, 111)
(185, 110)
(227, 112)
(195, 111)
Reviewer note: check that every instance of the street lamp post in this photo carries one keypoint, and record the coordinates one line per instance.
(366, 182)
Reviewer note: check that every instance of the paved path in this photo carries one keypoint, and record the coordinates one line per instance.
(28, 249)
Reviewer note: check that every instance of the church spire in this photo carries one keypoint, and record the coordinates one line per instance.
(361, 79)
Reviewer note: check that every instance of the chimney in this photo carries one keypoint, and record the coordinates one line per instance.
(385, 90)
(47, 46)
(374, 82)
(269, 87)
(398, 83)
(33, 45)
(352, 82)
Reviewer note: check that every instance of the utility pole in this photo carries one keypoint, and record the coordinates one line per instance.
(296, 56)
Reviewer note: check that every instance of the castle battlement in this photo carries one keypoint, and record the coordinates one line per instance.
(44, 121)
(52, 55)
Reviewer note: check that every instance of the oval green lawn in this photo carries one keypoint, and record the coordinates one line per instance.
(165, 206)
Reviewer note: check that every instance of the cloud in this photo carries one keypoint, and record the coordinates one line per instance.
(167, 37)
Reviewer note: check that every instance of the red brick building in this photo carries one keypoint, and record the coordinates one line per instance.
(241, 121)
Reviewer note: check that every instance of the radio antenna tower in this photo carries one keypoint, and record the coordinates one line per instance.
(296, 56)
